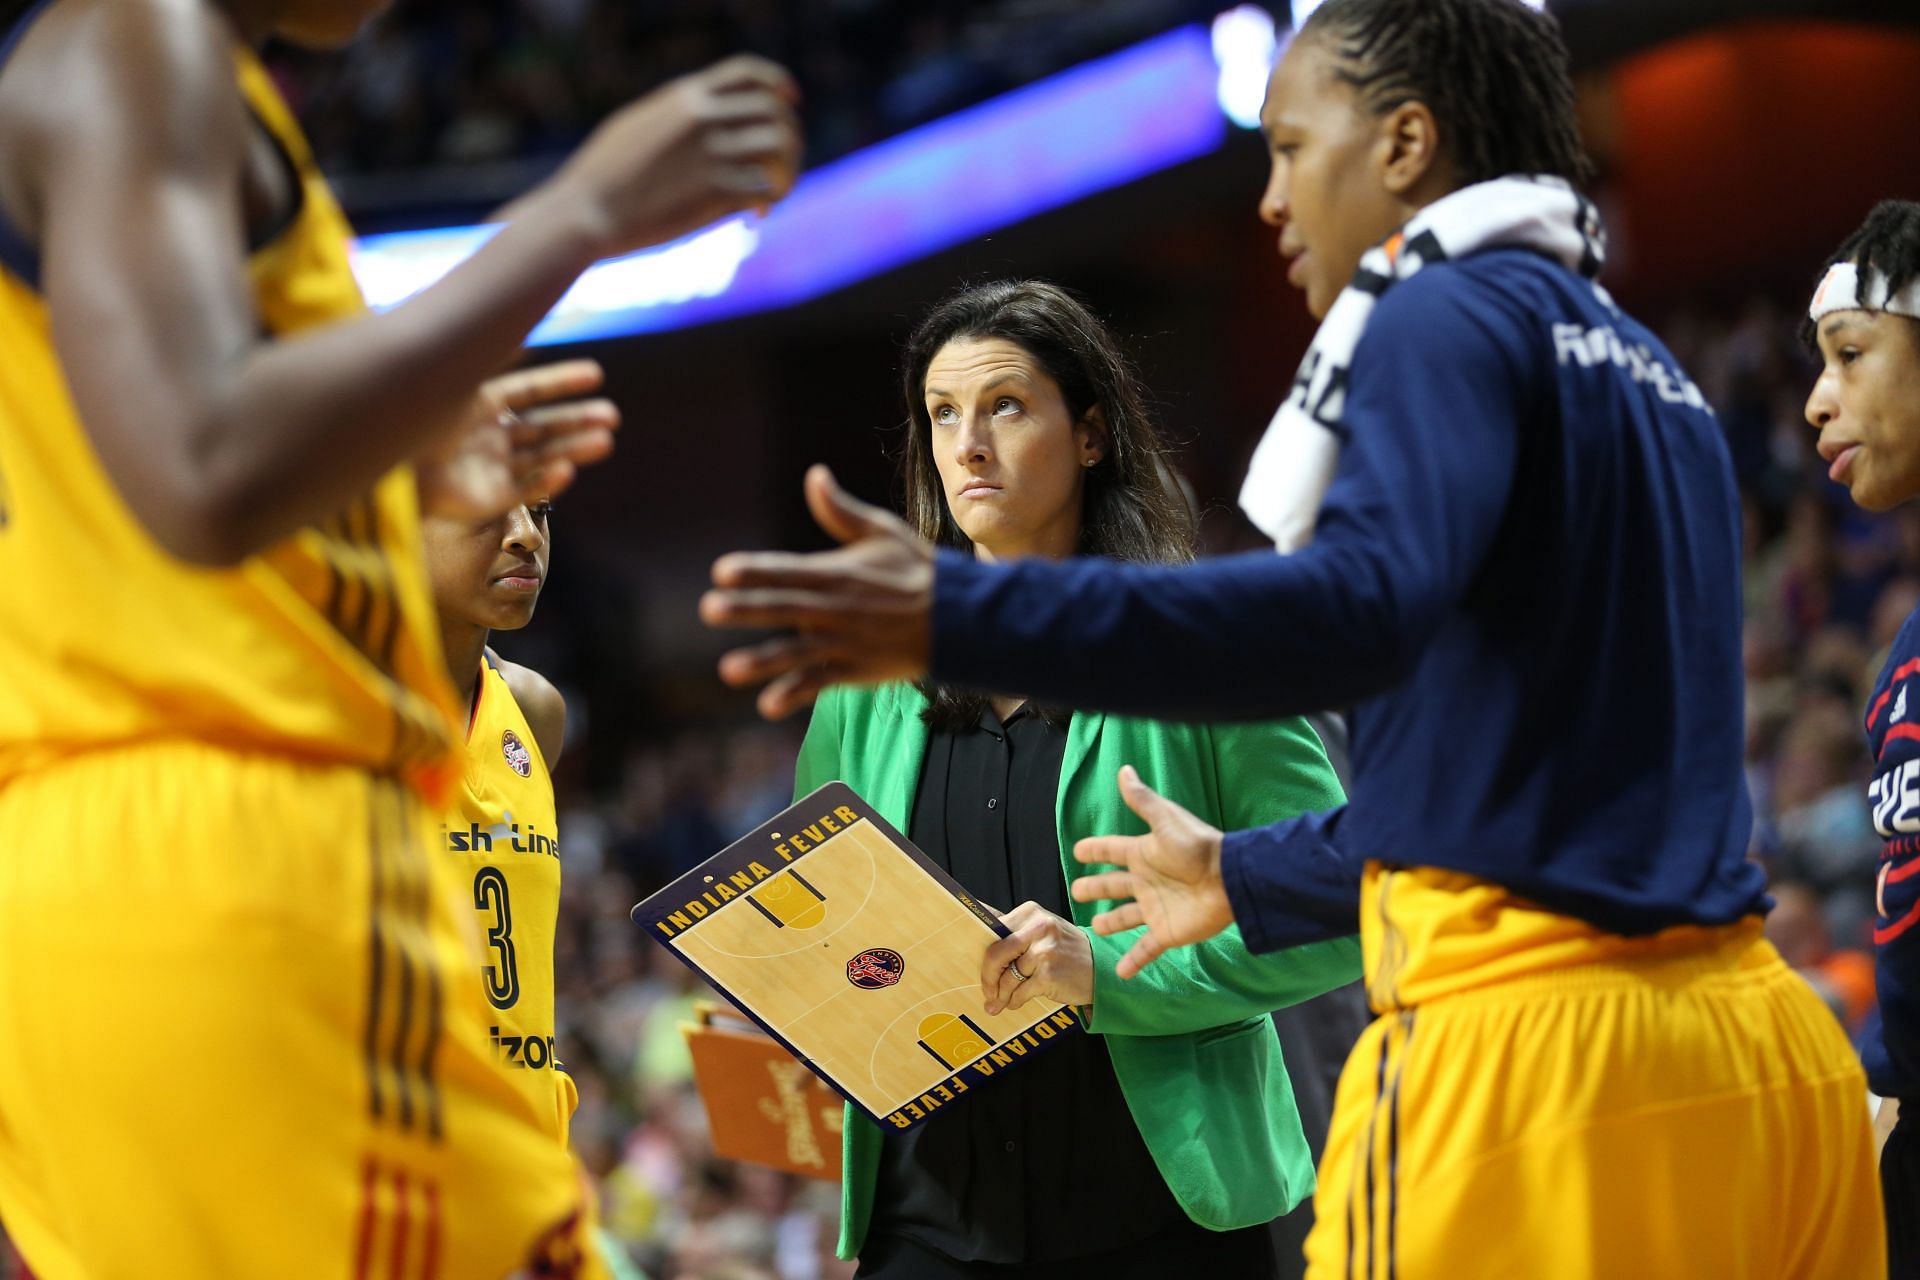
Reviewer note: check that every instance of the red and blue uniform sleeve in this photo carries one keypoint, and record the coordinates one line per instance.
(1890, 1044)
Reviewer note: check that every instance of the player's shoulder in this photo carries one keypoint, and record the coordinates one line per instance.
(183, 47)
(539, 700)
(1491, 284)
(530, 689)
(1908, 637)
(1459, 310)
(1906, 645)
(155, 75)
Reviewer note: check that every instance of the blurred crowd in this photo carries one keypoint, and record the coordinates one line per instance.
(464, 84)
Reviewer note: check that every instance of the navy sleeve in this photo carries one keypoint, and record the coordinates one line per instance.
(1431, 435)
(1290, 883)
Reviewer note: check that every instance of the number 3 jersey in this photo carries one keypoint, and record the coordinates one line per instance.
(1890, 1044)
(501, 834)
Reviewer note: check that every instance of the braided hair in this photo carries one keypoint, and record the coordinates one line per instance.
(1493, 72)
(1886, 244)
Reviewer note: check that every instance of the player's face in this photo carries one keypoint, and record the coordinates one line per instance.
(1011, 457)
(326, 24)
(488, 574)
(1324, 190)
(1866, 405)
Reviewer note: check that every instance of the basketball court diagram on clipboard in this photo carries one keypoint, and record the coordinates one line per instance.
(849, 946)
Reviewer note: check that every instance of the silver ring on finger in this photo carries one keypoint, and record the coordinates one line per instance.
(1015, 966)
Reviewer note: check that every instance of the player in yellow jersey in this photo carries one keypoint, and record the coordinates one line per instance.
(245, 1033)
(501, 835)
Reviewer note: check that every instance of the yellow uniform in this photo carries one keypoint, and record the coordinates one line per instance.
(1540, 1098)
(501, 838)
(243, 1032)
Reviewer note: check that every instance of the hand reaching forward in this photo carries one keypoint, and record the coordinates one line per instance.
(1043, 958)
(528, 433)
(862, 613)
(713, 143)
(1168, 880)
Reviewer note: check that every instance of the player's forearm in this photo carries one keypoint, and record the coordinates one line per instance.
(443, 342)
(220, 443)
(1251, 636)
(1290, 883)
(305, 425)
(1896, 1063)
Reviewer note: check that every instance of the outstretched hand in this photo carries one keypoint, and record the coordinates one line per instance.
(861, 613)
(525, 438)
(1168, 880)
(721, 140)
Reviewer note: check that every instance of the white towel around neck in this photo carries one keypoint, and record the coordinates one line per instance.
(1295, 460)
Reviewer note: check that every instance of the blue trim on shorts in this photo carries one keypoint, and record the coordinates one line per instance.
(1393, 1150)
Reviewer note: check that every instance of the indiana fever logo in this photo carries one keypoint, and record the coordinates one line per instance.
(872, 970)
(516, 753)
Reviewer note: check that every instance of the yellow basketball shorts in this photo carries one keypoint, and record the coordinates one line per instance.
(245, 1035)
(1683, 1107)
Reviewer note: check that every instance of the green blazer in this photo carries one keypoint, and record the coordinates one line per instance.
(1192, 1046)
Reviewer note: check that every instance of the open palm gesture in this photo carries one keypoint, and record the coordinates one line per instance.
(525, 436)
(858, 614)
(1168, 880)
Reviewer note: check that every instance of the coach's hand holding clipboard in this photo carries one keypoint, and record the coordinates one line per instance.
(1042, 958)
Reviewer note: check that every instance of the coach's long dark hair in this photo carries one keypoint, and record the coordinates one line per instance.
(1132, 506)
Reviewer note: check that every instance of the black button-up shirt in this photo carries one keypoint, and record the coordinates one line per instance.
(1018, 1172)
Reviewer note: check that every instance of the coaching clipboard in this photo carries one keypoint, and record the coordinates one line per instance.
(850, 947)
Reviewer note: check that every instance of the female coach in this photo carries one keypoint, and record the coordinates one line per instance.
(1172, 1125)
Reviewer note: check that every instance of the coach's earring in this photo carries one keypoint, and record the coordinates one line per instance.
(1089, 462)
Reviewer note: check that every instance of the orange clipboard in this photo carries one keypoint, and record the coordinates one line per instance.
(763, 1105)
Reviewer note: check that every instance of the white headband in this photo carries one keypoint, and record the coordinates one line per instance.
(1841, 291)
